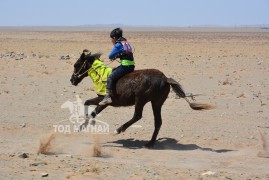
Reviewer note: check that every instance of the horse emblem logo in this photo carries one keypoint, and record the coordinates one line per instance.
(77, 117)
(76, 109)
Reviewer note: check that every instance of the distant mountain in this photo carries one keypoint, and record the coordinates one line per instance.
(262, 26)
(102, 25)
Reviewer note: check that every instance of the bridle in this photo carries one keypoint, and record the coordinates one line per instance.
(77, 74)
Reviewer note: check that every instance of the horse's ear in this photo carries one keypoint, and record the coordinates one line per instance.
(86, 52)
(98, 55)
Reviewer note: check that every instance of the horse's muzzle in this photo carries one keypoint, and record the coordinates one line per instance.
(74, 80)
(73, 83)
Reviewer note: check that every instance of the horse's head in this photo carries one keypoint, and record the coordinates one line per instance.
(82, 66)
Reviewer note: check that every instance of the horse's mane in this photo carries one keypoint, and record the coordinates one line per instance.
(96, 55)
(92, 57)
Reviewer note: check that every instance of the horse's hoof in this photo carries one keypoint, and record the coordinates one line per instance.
(83, 126)
(92, 122)
(116, 132)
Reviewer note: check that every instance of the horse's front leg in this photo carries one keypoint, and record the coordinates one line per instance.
(94, 113)
(87, 117)
(94, 101)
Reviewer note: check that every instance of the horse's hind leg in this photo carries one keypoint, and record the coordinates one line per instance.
(137, 115)
(157, 103)
(157, 122)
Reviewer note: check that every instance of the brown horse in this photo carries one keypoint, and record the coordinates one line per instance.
(136, 88)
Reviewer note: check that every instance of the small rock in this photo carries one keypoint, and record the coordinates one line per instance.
(209, 173)
(65, 57)
(38, 164)
(23, 125)
(23, 155)
(66, 155)
(242, 95)
(44, 174)
(18, 58)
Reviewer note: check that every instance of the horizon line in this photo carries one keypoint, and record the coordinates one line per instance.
(146, 26)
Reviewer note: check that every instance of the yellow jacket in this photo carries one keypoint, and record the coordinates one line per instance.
(99, 73)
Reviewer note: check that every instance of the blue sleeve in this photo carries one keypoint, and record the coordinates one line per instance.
(118, 48)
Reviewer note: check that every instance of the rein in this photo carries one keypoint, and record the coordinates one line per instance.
(83, 65)
(91, 68)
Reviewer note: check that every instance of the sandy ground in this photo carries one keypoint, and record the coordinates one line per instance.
(228, 67)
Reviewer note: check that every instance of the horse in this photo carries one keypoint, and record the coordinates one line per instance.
(136, 88)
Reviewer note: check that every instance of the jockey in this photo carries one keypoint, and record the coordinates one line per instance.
(123, 50)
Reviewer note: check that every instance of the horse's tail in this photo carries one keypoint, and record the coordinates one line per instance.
(179, 91)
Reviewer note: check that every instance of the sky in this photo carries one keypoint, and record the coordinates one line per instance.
(175, 13)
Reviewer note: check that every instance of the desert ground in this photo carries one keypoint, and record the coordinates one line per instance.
(228, 68)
